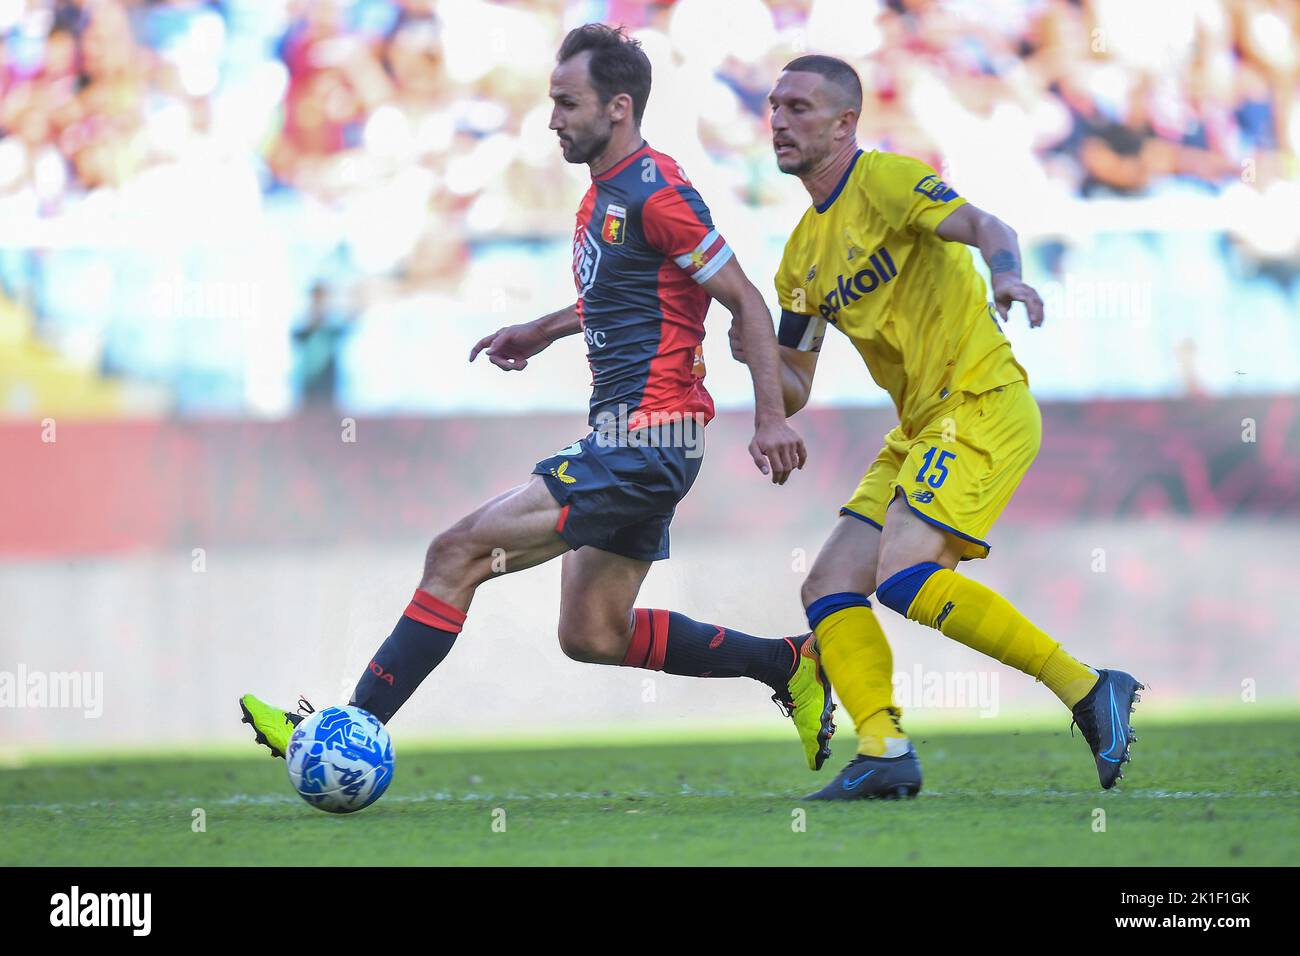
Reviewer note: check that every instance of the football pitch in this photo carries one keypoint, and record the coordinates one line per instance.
(1214, 793)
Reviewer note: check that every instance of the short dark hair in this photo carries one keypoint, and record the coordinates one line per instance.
(835, 71)
(617, 64)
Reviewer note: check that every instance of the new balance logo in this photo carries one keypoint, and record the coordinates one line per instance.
(943, 615)
(923, 497)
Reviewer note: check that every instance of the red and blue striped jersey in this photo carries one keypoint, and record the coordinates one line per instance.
(643, 245)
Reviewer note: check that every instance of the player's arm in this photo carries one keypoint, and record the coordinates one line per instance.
(775, 443)
(797, 371)
(797, 368)
(511, 347)
(998, 245)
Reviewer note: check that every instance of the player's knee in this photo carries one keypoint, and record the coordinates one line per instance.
(451, 552)
(592, 639)
(897, 587)
(813, 587)
(886, 569)
(889, 567)
(589, 645)
(577, 645)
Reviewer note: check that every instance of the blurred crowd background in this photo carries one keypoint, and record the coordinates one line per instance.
(244, 207)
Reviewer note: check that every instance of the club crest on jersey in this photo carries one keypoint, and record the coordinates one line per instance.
(935, 188)
(615, 225)
(848, 289)
(855, 250)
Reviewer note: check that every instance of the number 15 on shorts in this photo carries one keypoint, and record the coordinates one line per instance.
(936, 464)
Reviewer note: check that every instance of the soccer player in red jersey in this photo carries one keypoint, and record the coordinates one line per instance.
(646, 262)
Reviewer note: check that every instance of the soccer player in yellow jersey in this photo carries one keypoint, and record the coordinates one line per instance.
(881, 255)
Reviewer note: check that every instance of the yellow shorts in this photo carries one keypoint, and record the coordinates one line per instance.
(961, 469)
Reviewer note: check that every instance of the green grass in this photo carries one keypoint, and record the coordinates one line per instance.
(1221, 793)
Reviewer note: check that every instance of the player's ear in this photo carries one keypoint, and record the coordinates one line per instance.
(848, 123)
(619, 107)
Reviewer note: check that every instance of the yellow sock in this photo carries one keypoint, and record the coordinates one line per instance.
(1067, 678)
(985, 621)
(860, 667)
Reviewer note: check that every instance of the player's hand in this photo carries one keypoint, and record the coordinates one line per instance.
(1008, 288)
(777, 450)
(737, 346)
(511, 348)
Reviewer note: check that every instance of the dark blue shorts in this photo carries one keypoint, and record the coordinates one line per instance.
(620, 497)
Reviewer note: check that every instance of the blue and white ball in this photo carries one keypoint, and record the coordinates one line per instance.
(340, 759)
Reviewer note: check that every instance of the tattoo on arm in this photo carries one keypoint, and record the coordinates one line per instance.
(1004, 260)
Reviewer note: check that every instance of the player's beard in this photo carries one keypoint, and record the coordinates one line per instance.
(798, 165)
(586, 147)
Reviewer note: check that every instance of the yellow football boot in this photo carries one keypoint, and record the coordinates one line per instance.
(807, 701)
(272, 725)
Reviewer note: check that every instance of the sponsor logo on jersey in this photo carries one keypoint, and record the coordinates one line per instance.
(812, 274)
(586, 260)
(924, 497)
(563, 473)
(848, 289)
(615, 225)
(935, 188)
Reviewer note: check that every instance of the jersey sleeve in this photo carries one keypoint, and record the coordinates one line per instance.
(799, 328)
(910, 195)
(677, 223)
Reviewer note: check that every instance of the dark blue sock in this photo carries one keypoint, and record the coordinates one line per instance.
(418, 644)
(693, 649)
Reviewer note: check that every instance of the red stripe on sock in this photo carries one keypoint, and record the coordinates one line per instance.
(658, 640)
(638, 649)
(435, 612)
(795, 651)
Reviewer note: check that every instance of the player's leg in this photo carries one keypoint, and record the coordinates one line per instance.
(619, 499)
(600, 624)
(853, 647)
(946, 499)
(511, 532)
(856, 654)
(957, 478)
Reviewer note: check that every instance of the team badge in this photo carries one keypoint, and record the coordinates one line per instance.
(615, 225)
(812, 274)
(855, 250)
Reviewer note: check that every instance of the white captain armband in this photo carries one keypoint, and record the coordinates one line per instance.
(802, 332)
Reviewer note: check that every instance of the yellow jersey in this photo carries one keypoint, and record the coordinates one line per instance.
(867, 261)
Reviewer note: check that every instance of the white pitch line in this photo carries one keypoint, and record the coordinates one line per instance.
(442, 796)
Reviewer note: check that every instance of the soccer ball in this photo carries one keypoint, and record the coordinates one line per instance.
(340, 759)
